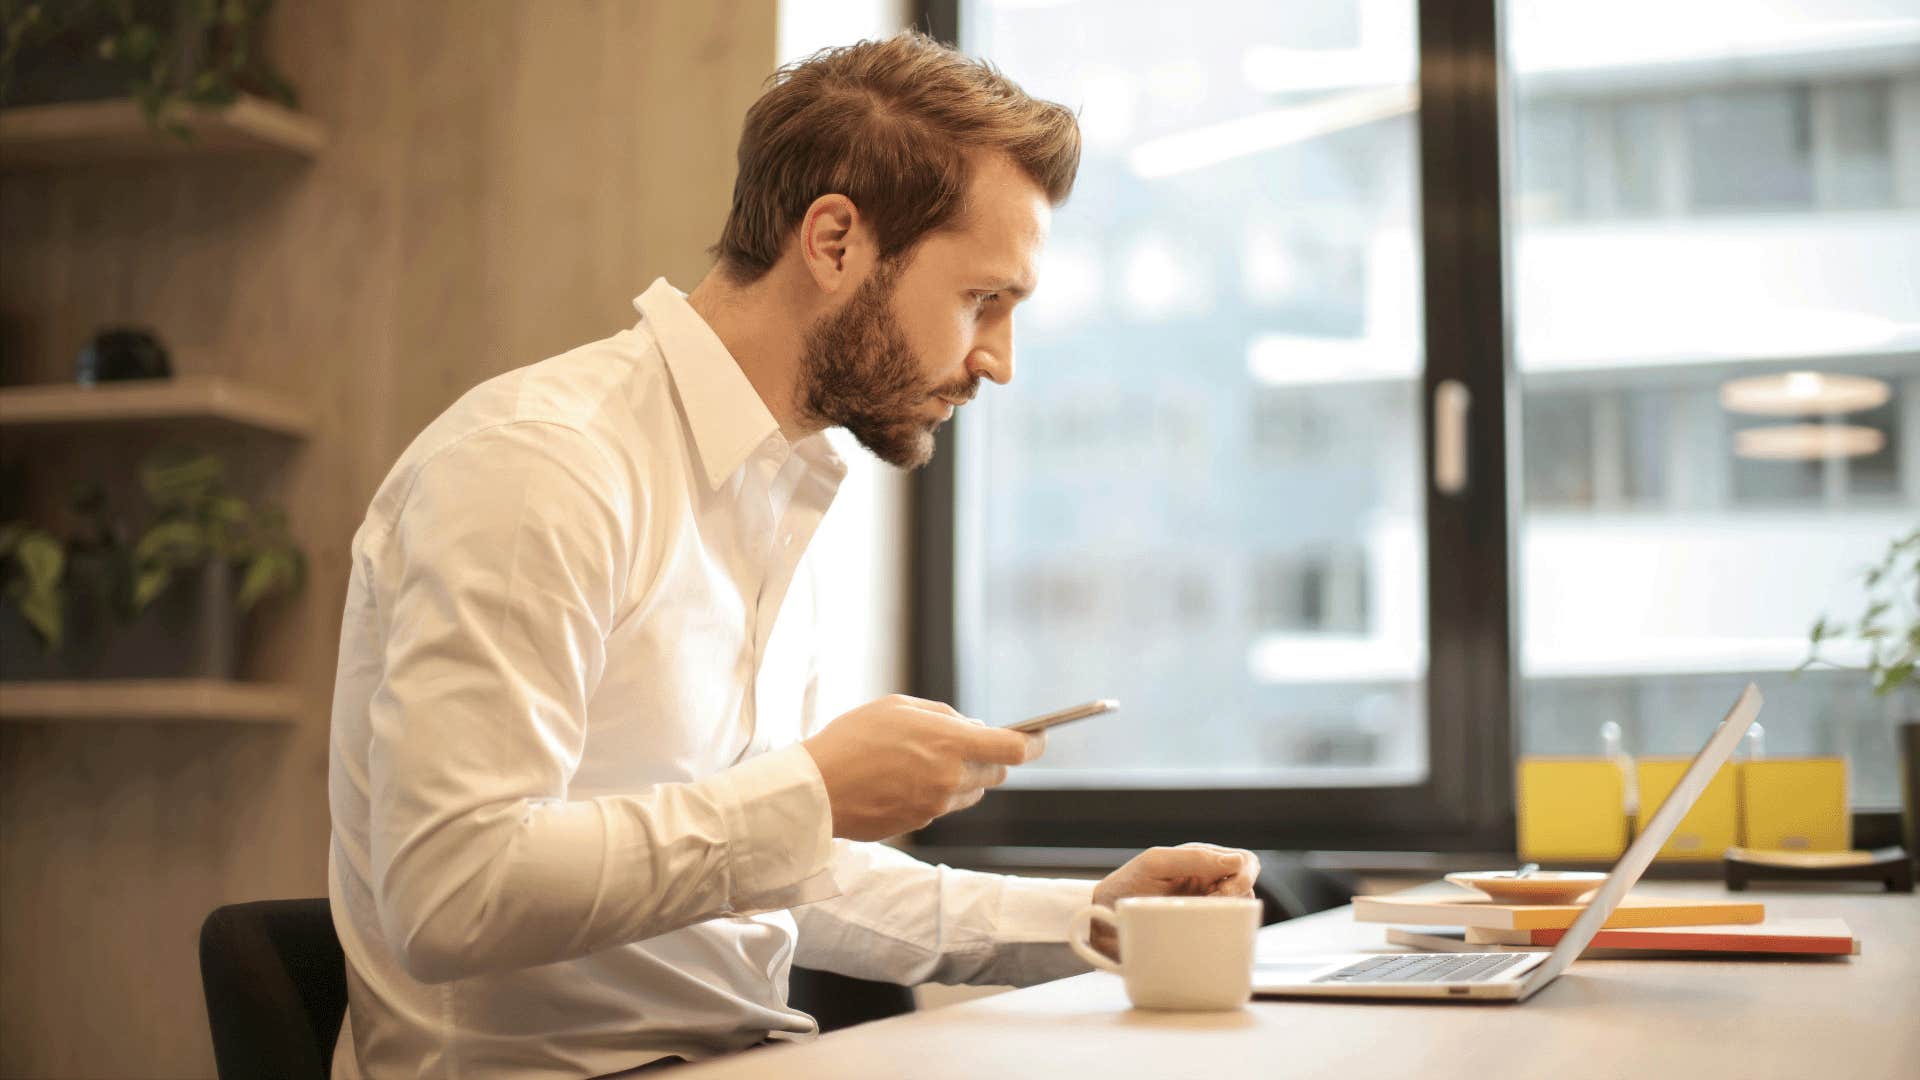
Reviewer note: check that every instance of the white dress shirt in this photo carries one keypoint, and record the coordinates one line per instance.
(572, 830)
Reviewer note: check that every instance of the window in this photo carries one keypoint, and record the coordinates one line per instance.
(1667, 555)
(1207, 494)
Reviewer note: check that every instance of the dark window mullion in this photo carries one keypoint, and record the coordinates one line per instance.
(1469, 570)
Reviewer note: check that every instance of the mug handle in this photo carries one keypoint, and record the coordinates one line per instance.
(1079, 933)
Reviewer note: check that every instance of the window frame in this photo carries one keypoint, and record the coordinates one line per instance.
(1466, 802)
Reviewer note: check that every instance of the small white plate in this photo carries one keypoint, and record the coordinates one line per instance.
(1539, 887)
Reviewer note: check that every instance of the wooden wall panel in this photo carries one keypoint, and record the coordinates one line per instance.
(503, 177)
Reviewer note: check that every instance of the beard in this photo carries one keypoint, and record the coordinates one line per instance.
(858, 372)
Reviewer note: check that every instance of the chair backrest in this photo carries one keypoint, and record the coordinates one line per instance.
(840, 1001)
(276, 985)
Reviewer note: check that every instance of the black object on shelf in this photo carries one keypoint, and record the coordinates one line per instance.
(122, 352)
(1887, 866)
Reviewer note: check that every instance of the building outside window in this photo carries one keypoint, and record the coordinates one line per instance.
(1206, 492)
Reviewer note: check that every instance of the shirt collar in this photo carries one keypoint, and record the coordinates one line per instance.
(724, 411)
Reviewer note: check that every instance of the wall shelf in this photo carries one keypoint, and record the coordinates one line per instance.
(148, 700)
(204, 398)
(90, 131)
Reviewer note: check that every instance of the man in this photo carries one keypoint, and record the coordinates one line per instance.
(583, 817)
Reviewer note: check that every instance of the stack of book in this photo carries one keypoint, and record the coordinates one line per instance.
(1638, 926)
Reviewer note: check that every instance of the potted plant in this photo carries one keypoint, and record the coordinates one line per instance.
(163, 604)
(1889, 628)
(163, 53)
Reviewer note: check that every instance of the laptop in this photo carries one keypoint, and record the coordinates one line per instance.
(1507, 976)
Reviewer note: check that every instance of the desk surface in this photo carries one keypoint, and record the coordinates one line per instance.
(1835, 1019)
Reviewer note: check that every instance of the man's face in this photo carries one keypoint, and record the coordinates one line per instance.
(916, 338)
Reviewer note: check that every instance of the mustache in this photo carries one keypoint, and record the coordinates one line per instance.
(960, 393)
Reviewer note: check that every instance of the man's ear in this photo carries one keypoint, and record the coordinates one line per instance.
(835, 244)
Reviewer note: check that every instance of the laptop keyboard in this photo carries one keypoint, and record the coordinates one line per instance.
(1424, 968)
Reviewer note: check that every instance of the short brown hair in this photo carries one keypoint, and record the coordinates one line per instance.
(890, 124)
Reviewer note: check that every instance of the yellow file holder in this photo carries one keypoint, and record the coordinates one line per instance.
(1710, 828)
(1571, 808)
(1795, 804)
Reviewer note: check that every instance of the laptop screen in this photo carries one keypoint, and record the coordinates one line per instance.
(1645, 846)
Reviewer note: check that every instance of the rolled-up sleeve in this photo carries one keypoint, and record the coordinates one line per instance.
(508, 560)
(902, 920)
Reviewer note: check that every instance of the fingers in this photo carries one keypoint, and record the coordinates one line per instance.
(928, 705)
(1214, 869)
(963, 799)
(1001, 747)
(985, 776)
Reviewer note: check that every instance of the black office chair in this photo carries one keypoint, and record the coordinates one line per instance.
(841, 1001)
(1288, 888)
(276, 985)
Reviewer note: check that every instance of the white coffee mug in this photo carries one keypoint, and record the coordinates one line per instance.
(1177, 952)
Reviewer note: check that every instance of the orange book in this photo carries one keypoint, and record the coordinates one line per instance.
(1472, 911)
(1814, 937)
(1801, 937)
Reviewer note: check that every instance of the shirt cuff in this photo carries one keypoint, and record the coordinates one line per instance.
(779, 832)
(1037, 910)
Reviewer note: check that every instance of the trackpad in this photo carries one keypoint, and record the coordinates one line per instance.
(1285, 972)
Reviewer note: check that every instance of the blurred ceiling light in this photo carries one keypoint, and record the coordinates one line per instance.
(1799, 331)
(1270, 130)
(1272, 69)
(1161, 282)
(1803, 393)
(1807, 442)
(1108, 101)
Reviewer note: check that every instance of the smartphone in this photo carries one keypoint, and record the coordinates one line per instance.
(1078, 712)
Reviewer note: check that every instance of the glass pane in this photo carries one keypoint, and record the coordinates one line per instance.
(1716, 245)
(1201, 494)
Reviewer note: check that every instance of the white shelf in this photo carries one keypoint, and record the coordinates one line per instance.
(89, 131)
(148, 700)
(182, 398)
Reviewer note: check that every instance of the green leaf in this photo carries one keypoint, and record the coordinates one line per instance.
(228, 510)
(173, 543)
(177, 479)
(266, 574)
(150, 583)
(1889, 679)
(41, 559)
(1819, 632)
(42, 610)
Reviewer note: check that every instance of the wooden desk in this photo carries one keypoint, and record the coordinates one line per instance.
(1825, 1019)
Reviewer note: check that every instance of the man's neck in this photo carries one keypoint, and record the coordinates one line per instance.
(762, 324)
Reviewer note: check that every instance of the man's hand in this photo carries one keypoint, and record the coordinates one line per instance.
(895, 764)
(1187, 870)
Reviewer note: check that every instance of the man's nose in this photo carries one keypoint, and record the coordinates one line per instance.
(993, 360)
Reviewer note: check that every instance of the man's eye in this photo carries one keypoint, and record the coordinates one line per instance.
(983, 299)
